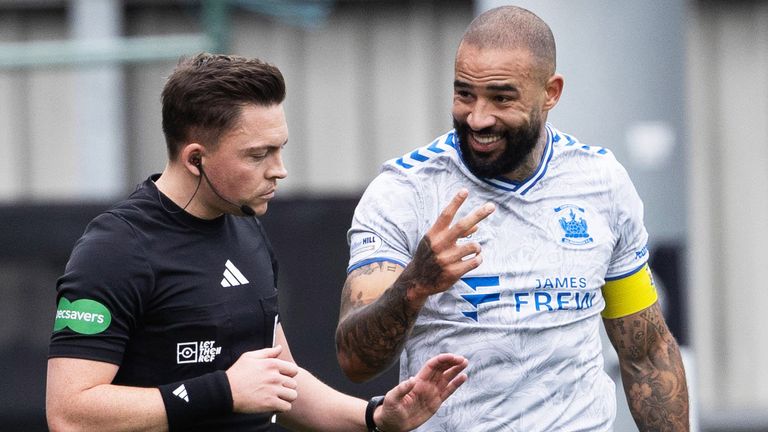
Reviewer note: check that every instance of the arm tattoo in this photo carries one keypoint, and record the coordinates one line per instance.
(651, 370)
(374, 334)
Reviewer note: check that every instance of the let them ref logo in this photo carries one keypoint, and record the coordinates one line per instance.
(82, 316)
(196, 352)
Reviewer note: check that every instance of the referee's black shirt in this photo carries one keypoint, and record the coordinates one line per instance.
(167, 296)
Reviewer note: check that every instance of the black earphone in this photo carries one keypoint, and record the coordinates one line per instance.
(197, 161)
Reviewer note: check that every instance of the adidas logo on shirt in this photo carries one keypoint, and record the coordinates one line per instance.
(232, 276)
(181, 392)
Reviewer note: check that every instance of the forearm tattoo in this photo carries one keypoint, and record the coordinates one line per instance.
(651, 370)
(375, 333)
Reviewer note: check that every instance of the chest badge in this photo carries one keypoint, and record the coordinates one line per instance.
(575, 227)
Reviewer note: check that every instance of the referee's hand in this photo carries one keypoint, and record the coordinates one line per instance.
(262, 383)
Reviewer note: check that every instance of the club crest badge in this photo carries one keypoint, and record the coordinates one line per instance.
(575, 229)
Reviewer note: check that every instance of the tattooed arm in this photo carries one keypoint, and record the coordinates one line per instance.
(381, 301)
(651, 370)
(374, 309)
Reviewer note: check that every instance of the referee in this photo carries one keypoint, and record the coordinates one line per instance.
(167, 314)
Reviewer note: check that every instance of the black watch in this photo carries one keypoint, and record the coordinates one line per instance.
(372, 404)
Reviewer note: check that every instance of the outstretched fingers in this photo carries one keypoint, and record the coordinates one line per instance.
(401, 390)
(470, 231)
(455, 379)
(444, 233)
(449, 212)
(441, 258)
(442, 373)
(437, 366)
(468, 257)
(468, 224)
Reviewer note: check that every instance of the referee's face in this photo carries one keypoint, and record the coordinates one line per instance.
(247, 162)
(498, 101)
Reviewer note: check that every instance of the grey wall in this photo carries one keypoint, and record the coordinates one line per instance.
(728, 105)
(367, 83)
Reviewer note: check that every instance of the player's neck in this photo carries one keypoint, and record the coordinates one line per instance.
(531, 162)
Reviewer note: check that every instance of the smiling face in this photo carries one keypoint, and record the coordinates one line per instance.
(500, 101)
(247, 161)
(492, 152)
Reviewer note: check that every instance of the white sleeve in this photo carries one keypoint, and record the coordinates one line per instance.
(631, 251)
(385, 226)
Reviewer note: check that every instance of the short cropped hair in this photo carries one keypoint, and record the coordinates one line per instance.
(512, 27)
(204, 96)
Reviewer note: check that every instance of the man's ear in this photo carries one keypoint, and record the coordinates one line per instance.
(554, 89)
(191, 157)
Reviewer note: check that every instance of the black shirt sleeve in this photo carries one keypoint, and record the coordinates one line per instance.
(100, 297)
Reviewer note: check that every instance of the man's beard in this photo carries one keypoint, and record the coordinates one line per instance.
(520, 142)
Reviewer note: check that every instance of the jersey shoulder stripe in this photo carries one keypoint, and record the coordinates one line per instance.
(445, 150)
(443, 145)
(565, 141)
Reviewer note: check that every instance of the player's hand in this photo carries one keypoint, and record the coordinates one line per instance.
(439, 261)
(416, 399)
(261, 382)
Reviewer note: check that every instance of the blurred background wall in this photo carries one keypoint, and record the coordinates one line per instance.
(677, 89)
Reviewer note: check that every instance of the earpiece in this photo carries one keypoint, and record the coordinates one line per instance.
(197, 161)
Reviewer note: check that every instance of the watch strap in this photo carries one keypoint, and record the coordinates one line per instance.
(369, 410)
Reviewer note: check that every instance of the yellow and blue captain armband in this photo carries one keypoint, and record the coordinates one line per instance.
(629, 294)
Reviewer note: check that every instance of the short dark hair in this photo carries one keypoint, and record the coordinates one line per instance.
(511, 27)
(205, 94)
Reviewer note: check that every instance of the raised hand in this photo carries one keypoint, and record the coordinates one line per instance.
(439, 261)
(261, 382)
(416, 399)
(371, 333)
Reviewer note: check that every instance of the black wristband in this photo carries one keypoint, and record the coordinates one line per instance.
(196, 398)
(372, 404)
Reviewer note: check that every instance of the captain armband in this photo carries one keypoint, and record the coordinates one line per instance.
(629, 294)
(197, 398)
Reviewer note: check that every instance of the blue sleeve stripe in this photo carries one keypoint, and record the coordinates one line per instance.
(418, 156)
(629, 273)
(403, 164)
(434, 147)
(373, 260)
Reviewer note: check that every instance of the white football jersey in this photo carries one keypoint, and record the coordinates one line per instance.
(528, 317)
